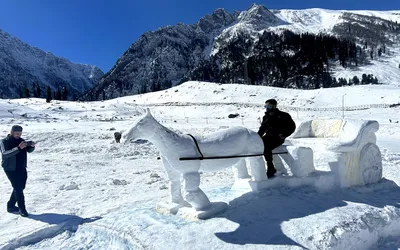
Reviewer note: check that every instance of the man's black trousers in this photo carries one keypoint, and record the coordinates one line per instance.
(270, 143)
(18, 181)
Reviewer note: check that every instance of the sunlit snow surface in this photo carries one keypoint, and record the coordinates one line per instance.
(86, 192)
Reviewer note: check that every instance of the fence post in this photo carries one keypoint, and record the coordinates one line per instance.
(343, 106)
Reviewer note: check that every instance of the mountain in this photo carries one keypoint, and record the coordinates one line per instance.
(22, 65)
(285, 48)
(159, 59)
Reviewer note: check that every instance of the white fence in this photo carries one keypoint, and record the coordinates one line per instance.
(345, 108)
(298, 113)
(255, 121)
(283, 107)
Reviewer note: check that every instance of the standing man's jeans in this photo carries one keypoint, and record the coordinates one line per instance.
(18, 181)
(270, 143)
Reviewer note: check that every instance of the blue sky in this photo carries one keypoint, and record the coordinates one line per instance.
(98, 32)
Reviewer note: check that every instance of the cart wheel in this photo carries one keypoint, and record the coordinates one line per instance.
(370, 164)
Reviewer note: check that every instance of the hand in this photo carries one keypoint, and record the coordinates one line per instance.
(33, 144)
(22, 145)
(282, 137)
(268, 135)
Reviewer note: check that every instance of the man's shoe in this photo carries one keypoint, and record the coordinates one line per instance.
(271, 173)
(23, 213)
(12, 209)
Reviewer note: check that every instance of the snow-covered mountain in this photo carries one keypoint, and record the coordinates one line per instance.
(376, 29)
(323, 20)
(159, 59)
(163, 58)
(21, 65)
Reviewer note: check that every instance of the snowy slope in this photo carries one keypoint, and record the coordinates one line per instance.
(318, 20)
(323, 21)
(86, 192)
(197, 93)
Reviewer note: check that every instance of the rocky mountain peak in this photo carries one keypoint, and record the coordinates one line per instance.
(260, 16)
(218, 19)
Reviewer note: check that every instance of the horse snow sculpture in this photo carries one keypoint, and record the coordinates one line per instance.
(172, 146)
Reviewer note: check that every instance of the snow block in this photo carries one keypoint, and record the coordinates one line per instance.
(169, 207)
(298, 159)
(190, 213)
(361, 167)
(347, 148)
(323, 181)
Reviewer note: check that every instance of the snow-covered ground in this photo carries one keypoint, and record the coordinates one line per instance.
(86, 192)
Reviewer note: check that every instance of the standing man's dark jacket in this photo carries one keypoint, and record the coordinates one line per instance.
(13, 157)
(276, 124)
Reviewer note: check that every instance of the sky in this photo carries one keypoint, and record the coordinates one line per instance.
(98, 32)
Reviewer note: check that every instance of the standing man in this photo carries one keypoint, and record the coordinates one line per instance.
(14, 158)
(275, 127)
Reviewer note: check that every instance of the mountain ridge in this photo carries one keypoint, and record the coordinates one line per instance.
(165, 57)
(22, 65)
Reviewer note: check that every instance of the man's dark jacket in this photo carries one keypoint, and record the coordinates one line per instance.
(12, 155)
(277, 123)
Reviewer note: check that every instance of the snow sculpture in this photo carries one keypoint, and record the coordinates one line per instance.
(172, 146)
(298, 159)
(349, 147)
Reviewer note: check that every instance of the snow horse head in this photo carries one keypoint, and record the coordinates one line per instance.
(142, 128)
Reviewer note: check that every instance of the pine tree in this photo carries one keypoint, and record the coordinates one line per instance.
(342, 82)
(58, 94)
(48, 94)
(64, 94)
(38, 91)
(143, 88)
(356, 81)
(26, 92)
(364, 79)
(34, 89)
(334, 82)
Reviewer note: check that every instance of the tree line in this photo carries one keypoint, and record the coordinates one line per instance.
(61, 93)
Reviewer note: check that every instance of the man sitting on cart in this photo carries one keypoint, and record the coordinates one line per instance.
(275, 127)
